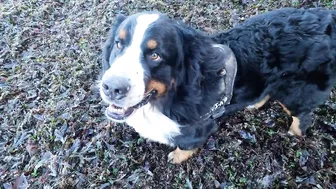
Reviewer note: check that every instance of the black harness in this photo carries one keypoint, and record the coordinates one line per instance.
(229, 75)
(216, 110)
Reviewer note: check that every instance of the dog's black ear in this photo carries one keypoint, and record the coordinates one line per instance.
(187, 48)
(109, 43)
(184, 31)
(120, 18)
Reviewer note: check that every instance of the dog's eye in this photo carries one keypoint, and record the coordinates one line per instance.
(154, 56)
(118, 44)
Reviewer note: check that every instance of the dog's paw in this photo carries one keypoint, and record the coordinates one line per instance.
(251, 107)
(295, 131)
(178, 156)
(259, 104)
(295, 127)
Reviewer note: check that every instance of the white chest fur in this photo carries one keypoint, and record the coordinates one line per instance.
(150, 123)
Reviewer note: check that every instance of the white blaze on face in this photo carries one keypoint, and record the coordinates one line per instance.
(129, 64)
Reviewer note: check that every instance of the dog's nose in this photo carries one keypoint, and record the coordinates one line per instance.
(116, 87)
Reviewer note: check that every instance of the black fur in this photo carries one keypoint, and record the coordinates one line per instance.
(288, 54)
(109, 45)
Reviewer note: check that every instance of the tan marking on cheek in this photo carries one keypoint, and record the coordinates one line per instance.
(178, 156)
(262, 102)
(158, 86)
(285, 109)
(295, 127)
(122, 34)
(151, 44)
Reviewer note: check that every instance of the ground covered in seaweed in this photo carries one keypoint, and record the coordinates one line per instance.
(53, 132)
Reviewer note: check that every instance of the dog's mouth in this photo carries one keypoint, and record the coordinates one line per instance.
(120, 114)
(117, 113)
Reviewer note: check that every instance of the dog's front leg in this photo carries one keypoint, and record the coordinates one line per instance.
(191, 139)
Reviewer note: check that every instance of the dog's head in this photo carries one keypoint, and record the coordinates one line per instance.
(138, 62)
(149, 57)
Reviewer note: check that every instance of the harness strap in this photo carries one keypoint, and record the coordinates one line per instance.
(229, 73)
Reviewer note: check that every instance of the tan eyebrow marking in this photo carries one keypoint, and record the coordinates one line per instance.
(122, 34)
(151, 44)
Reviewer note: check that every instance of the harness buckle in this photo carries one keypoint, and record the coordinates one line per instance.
(219, 111)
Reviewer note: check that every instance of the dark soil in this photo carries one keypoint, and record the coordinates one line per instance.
(54, 134)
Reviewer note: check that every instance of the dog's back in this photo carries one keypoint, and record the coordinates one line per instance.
(287, 55)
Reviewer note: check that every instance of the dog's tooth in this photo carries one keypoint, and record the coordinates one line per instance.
(118, 111)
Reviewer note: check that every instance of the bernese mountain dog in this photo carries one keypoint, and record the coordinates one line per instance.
(170, 81)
